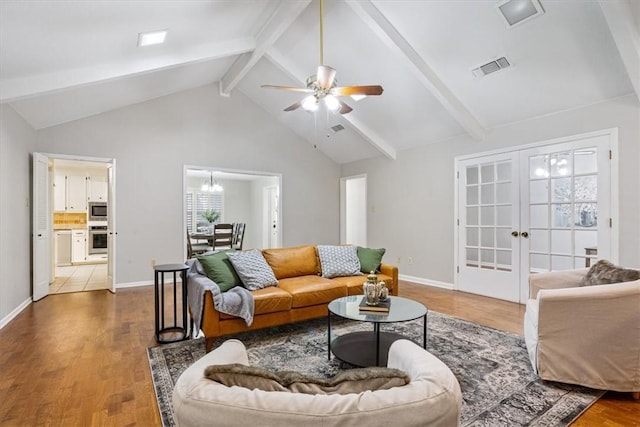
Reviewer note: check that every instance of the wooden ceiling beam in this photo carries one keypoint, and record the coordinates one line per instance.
(388, 33)
(282, 17)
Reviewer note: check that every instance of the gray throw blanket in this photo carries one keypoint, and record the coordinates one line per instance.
(236, 301)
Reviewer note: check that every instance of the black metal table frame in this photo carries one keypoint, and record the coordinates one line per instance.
(159, 283)
(376, 331)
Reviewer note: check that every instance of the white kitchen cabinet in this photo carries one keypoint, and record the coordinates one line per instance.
(97, 188)
(78, 246)
(63, 247)
(76, 193)
(69, 192)
(60, 192)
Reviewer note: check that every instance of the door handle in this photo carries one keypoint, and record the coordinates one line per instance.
(514, 233)
(524, 234)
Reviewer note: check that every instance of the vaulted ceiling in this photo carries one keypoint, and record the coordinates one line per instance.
(65, 60)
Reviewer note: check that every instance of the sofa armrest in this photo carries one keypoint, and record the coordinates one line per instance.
(391, 270)
(555, 280)
(592, 326)
(231, 351)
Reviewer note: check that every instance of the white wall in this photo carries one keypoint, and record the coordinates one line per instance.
(152, 142)
(413, 196)
(17, 140)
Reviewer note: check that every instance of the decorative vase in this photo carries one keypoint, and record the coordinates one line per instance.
(384, 291)
(371, 289)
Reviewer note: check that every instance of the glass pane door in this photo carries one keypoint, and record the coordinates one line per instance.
(488, 206)
(563, 209)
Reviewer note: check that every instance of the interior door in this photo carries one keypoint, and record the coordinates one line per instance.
(566, 206)
(488, 250)
(273, 220)
(546, 208)
(111, 226)
(41, 237)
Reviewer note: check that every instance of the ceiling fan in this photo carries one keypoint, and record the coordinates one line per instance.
(322, 86)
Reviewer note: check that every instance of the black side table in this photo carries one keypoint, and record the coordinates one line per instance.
(174, 332)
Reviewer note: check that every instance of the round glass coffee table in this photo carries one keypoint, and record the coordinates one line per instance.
(371, 348)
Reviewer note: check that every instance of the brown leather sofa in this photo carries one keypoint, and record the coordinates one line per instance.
(302, 293)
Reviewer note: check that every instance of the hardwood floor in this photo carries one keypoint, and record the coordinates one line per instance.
(80, 359)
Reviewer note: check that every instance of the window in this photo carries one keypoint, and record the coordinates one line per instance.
(204, 201)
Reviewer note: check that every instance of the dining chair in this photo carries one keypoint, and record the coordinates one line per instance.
(194, 249)
(238, 235)
(222, 236)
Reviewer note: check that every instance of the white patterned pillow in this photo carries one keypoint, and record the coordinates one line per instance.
(339, 261)
(252, 268)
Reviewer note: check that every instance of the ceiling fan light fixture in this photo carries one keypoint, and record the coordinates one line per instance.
(332, 103)
(358, 97)
(310, 103)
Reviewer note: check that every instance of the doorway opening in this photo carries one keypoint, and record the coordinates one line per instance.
(353, 210)
(74, 217)
(234, 197)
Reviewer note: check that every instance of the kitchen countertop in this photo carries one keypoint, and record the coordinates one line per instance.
(58, 227)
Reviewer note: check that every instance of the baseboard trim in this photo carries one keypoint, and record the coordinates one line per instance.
(133, 284)
(423, 281)
(9, 317)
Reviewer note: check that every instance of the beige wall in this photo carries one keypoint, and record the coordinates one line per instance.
(17, 140)
(413, 196)
(152, 142)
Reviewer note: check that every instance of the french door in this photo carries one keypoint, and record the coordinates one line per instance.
(545, 208)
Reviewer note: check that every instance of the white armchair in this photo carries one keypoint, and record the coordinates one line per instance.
(584, 335)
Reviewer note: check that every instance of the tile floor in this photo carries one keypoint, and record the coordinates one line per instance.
(78, 278)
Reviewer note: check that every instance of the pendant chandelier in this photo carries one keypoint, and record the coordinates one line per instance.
(211, 186)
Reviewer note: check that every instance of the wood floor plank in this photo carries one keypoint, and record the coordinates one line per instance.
(80, 359)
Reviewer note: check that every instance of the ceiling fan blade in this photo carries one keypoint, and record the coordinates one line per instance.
(293, 106)
(289, 88)
(325, 77)
(344, 108)
(357, 90)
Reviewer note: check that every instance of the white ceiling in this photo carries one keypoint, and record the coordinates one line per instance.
(64, 60)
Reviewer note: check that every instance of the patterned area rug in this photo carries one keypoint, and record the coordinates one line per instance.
(492, 367)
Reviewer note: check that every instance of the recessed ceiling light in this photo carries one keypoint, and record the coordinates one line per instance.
(516, 12)
(151, 38)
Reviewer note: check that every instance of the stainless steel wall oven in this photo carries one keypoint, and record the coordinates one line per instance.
(97, 239)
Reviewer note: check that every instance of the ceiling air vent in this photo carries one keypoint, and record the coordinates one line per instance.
(491, 67)
(337, 128)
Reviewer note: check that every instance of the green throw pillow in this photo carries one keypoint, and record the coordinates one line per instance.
(219, 269)
(370, 259)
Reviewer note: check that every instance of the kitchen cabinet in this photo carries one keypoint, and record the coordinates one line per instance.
(97, 188)
(63, 247)
(60, 192)
(76, 193)
(78, 246)
(70, 193)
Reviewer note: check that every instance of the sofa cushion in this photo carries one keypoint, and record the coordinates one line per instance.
(370, 259)
(604, 272)
(345, 382)
(252, 269)
(312, 290)
(337, 261)
(217, 267)
(293, 262)
(354, 283)
(271, 299)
